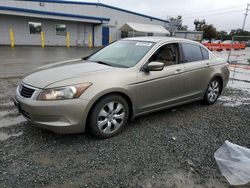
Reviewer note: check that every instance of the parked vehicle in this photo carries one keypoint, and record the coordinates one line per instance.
(128, 78)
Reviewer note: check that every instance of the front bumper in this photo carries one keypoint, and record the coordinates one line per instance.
(62, 116)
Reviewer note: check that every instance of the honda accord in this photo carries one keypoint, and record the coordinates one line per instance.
(121, 81)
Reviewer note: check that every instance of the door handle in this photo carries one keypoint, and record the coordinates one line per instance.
(208, 64)
(178, 70)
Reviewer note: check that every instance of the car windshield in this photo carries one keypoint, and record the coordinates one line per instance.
(123, 53)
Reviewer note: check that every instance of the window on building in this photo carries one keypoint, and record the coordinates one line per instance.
(192, 52)
(61, 29)
(35, 27)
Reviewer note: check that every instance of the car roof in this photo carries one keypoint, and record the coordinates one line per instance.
(159, 39)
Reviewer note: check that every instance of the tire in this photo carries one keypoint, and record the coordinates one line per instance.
(108, 116)
(213, 91)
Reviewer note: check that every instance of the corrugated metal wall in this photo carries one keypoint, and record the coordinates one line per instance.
(78, 28)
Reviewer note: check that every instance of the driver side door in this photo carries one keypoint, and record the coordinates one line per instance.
(158, 89)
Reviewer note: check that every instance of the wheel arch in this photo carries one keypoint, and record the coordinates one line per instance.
(123, 94)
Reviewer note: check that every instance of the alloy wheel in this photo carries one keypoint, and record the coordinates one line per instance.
(111, 117)
(213, 90)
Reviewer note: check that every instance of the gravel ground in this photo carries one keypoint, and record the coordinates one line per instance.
(170, 148)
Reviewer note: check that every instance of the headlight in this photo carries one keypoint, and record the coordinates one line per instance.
(67, 92)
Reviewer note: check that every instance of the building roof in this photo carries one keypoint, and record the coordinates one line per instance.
(101, 5)
(41, 12)
(145, 28)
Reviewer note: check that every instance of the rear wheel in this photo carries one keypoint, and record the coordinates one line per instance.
(213, 91)
(108, 116)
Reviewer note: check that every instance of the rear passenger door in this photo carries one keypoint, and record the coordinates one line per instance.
(196, 70)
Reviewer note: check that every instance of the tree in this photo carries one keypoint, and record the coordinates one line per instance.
(209, 32)
(239, 32)
(183, 28)
(199, 24)
(223, 35)
(175, 23)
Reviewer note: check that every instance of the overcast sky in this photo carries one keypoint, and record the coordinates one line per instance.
(223, 14)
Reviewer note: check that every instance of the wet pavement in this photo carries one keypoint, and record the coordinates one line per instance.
(170, 148)
(14, 62)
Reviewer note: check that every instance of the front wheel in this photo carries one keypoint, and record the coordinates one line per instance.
(213, 91)
(108, 116)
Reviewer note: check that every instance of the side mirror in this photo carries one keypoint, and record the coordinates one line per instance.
(154, 66)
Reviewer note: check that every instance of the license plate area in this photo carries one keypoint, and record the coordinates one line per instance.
(20, 110)
(17, 105)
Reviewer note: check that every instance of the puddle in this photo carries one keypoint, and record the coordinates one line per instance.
(5, 136)
(2, 114)
(234, 104)
(241, 85)
(233, 101)
(7, 122)
(240, 74)
(8, 119)
(7, 105)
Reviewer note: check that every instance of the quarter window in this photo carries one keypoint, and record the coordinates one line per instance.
(192, 52)
(205, 53)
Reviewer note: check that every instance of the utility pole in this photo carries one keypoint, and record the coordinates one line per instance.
(245, 17)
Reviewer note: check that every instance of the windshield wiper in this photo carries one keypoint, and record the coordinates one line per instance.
(109, 64)
(85, 58)
(102, 63)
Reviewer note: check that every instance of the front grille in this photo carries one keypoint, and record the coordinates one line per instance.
(26, 91)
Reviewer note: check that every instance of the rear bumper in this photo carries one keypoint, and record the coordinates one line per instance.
(63, 117)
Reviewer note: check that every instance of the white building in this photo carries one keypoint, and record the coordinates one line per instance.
(87, 24)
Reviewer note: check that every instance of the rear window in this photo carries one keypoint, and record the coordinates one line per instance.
(192, 52)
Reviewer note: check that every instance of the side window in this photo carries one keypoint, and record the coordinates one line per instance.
(167, 54)
(205, 53)
(192, 52)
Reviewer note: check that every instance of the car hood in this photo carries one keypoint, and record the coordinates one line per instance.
(47, 75)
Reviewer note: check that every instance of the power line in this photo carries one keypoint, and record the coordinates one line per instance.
(210, 11)
(214, 10)
(213, 14)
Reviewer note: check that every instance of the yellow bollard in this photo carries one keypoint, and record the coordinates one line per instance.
(42, 39)
(67, 40)
(110, 38)
(12, 44)
(90, 40)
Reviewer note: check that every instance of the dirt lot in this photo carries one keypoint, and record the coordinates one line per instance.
(171, 148)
